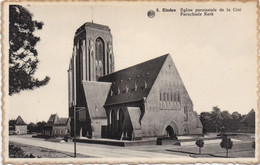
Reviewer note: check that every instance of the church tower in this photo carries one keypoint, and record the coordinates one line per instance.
(92, 58)
(93, 47)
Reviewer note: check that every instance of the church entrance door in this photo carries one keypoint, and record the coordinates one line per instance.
(170, 132)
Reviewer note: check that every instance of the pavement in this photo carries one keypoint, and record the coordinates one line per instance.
(93, 150)
(242, 148)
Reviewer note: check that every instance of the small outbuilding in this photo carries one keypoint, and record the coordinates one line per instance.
(17, 126)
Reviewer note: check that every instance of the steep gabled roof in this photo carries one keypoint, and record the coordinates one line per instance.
(51, 120)
(19, 121)
(61, 122)
(250, 115)
(133, 83)
(96, 95)
(54, 120)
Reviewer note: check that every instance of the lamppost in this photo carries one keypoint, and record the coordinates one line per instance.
(75, 132)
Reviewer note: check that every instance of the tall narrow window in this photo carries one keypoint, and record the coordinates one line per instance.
(91, 66)
(100, 57)
(185, 113)
(110, 64)
(179, 98)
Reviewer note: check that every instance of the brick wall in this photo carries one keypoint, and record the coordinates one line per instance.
(164, 110)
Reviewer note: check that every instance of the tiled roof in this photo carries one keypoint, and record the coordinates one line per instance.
(96, 95)
(19, 121)
(252, 112)
(133, 83)
(51, 120)
(61, 121)
(54, 120)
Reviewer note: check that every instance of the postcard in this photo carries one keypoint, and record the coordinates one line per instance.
(130, 82)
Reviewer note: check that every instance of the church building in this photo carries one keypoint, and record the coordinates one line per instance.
(146, 100)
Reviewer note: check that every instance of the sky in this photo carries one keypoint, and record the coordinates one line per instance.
(215, 55)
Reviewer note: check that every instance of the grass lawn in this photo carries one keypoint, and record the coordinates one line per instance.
(17, 150)
(214, 150)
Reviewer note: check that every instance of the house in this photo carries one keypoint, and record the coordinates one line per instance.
(146, 100)
(17, 126)
(247, 123)
(57, 127)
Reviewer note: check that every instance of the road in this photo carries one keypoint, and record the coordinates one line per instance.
(93, 150)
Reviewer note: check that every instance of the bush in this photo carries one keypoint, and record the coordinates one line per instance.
(17, 152)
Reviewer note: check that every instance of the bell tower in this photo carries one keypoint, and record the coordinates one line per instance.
(92, 58)
(93, 46)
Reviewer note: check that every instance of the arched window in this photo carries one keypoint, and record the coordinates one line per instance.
(160, 96)
(100, 57)
(97, 68)
(109, 57)
(185, 113)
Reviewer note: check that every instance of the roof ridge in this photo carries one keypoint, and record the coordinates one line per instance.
(136, 65)
(133, 83)
(21, 122)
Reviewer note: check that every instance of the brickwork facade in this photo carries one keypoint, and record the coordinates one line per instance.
(145, 100)
(169, 101)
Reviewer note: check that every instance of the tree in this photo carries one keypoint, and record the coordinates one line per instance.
(226, 143)
(236, 121)
(206, 121)
(23, 57)
(200, 144)
(226, 120)
(40, 126)
(31, 127)
(216, 117)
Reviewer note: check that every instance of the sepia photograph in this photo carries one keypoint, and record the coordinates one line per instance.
(130, 82)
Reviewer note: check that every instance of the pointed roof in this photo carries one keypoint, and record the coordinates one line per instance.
(249, 116)
(133, 83)
(51, 120)
(96, 95)
(19, 121)
(54, 120)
